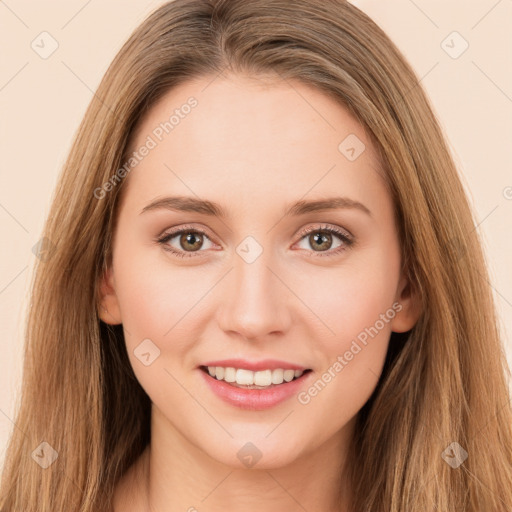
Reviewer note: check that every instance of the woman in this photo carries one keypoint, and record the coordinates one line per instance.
(265, 287)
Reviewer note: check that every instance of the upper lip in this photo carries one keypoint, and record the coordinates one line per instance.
(265, 364)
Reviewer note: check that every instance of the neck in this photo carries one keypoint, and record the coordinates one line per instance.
(174, 474)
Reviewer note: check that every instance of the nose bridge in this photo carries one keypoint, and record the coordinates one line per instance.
(254, 304)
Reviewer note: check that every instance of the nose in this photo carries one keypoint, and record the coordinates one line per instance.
(255, 302)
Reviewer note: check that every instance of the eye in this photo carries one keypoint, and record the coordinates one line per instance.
(189, 241)
(321, 238)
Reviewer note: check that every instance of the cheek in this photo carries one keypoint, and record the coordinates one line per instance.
(156, 300)
(355, 301)
(158, 303)
(359, 312)
(351, 298)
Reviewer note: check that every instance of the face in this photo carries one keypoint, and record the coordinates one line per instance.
(256, 279)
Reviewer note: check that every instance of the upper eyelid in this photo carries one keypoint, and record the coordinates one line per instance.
(172, 232)
(336, 230)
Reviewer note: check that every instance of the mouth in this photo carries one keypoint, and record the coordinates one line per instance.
(247, 379)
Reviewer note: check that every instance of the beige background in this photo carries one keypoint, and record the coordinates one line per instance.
(43, 100)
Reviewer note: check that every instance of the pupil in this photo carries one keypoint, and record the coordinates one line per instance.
(189, 239)
(325, 237)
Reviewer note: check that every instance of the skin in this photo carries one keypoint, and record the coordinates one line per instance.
(255, 146)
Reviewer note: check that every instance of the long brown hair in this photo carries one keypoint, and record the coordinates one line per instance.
(444, 382)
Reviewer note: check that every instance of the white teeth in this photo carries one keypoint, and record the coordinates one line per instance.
(277, 376)
(230, 375)
(263, 378)
(289, 375)
(245, 377)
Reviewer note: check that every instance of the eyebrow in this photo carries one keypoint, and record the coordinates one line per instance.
(205, 207)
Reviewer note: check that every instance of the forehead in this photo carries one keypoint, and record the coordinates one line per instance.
(215, 135)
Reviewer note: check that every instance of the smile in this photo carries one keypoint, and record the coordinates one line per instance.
(245, 390)
(263, 379)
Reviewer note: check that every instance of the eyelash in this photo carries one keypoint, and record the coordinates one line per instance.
(346, 239)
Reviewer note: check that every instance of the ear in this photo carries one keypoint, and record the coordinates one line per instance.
(410, 307)
(109, 310)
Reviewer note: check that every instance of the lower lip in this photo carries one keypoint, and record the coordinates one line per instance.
(254, 399)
